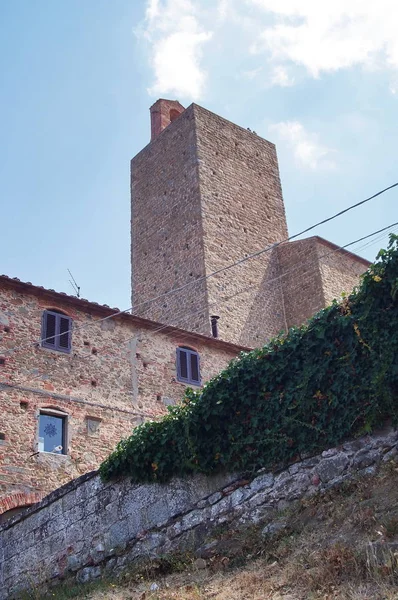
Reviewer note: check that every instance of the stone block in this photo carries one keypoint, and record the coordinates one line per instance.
(330, 468)
(365, 458)
(117, 536)
(88, 574)
(262, 482)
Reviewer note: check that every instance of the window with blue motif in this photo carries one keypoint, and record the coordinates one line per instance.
(52, 432)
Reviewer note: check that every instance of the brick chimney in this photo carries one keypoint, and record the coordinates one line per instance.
(163, 112)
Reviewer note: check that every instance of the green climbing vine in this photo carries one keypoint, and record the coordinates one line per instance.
(335, 377)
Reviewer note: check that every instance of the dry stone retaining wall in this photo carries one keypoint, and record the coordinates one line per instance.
(88, 529)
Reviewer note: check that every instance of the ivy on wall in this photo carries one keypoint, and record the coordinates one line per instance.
(333, 378)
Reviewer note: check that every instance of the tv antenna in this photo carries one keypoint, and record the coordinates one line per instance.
(74, 284)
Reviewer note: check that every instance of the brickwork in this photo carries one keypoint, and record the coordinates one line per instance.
(206, 193)
(163, 112)
(14, 502)
(119, 372)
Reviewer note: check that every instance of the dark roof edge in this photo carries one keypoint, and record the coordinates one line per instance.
(325, 242)
(105, 310)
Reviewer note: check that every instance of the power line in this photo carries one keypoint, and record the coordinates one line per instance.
(266, 249)
(269, 282)
(247, 288)
(292, 270)
(222, 269)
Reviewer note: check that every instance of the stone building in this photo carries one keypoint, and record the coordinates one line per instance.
(205, 194)
(63, 409)
(76, 377)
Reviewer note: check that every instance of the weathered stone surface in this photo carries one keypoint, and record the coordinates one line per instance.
(199, 563)
(214, 498)
(88, 574)
(262, 482)
(390, 455)
(89, 528)
(272, 530)
(364, 458)
(109, 383)
(329, 468)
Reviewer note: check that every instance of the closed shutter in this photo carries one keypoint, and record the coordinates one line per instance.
(56, 331)
(49, 329)
(182, 364)
(188, 370)
(65, 324)
(194, 368)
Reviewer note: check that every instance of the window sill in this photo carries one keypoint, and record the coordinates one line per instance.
(45, 457)
(53, 351)
(188, 384)
(52, 453)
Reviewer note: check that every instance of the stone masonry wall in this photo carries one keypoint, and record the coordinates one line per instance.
(242, 212)
(166, 229)
(301, 280)
(314, 272)
(88, 529)
(206, 193)
(119, 373)
(340, 271)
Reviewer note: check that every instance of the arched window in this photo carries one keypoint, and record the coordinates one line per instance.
(188, 367)
(56, 331)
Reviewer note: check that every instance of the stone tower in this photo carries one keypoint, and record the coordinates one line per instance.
(205, 193)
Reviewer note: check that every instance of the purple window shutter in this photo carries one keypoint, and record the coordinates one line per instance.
(182, 365)
(194, 367)
(56, 331)
(64, 339)
(188, 370)
(49, 329)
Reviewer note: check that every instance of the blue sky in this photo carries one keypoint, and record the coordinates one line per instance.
(77, 79)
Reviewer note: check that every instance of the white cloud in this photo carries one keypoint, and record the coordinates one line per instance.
(222, 8)
(280, 76)
(176, 38)
(252, 73)
(328, 36)
(307, 150)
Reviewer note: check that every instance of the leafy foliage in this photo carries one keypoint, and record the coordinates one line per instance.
(336, 376)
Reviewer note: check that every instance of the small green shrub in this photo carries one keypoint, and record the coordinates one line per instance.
(335, 377)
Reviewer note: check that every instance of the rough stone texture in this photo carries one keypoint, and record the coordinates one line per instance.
(133, 367)
(313, 272)
(87, 529)
(340, 271)
(166, 228)
(205, 193)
